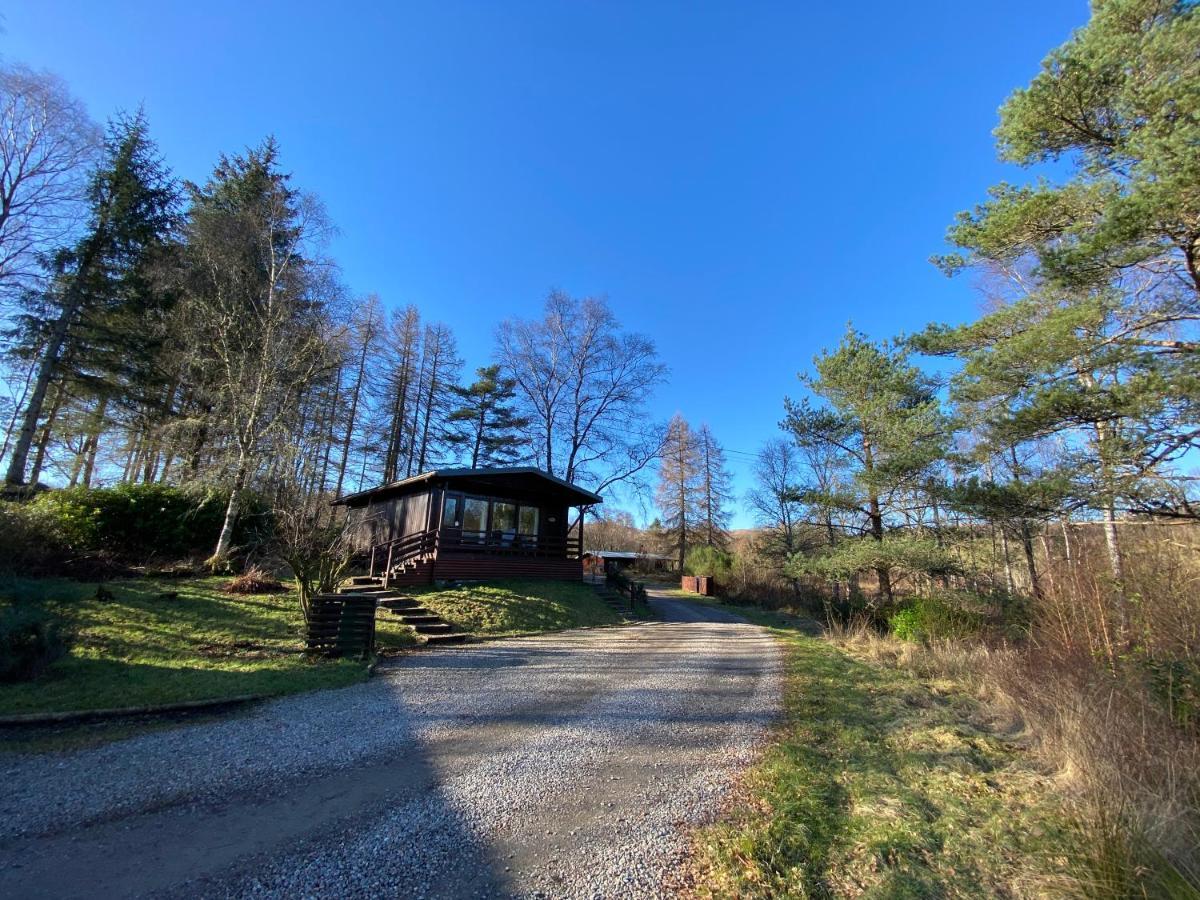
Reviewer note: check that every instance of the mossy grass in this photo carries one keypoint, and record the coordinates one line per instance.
(879, 785)
(517, 607)
(148, 642)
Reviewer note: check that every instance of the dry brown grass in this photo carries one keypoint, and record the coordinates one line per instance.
(1130, 771)
(255, 580)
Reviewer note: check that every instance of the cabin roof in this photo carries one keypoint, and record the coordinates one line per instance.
(495, 481)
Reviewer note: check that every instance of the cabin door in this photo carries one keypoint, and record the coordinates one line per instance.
(452, 519)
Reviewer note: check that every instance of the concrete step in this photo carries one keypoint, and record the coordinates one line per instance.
(366, 579)
(419, 618)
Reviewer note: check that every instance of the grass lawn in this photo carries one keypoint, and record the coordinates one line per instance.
(165, 641)
(145, 647)
(878, 785)
(506, 608)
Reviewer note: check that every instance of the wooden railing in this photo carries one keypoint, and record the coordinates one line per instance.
(391, 554)
(497, 543)
(422, 545)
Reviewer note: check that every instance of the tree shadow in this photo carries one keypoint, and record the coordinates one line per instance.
(216, 808)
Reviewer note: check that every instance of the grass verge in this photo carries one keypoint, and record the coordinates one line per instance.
(879, 785)
(508, 608)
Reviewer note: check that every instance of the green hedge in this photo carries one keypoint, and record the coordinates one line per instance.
(130, 523)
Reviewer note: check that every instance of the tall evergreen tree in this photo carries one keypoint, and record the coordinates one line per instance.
(252, 263)
(1095, 340)
(881, 416)
(484, 426)
(101, 289)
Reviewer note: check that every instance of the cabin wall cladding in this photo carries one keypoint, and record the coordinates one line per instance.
(409, 514)
(378, 523)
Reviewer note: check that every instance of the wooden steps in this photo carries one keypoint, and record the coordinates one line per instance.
(432, 629)
(615, 601)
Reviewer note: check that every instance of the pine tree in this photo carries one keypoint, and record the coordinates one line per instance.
(1093, 342)
(881, 417)
(101, 291)
(256, 318)
(484, 426)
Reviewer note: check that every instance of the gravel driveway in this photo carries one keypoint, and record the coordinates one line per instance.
(557, 766)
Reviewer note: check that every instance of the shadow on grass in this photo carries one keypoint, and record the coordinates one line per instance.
(87, 682)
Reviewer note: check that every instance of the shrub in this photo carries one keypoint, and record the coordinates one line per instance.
(30, 640)
(943, 616)
(29, 540)
(708, 561)
(138, 522)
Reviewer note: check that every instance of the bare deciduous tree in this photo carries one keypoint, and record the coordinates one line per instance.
(47, 142)
(583, 383)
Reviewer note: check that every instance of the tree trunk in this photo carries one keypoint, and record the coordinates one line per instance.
(362, 364)
(1009, 581)
(33, 410)
(92, 447)
(1035, 584)
(479, 428)
(1116, 559)
(43, 444)
(232, 511)
(875, 514)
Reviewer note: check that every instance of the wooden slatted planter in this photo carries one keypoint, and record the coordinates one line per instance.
(341, 625)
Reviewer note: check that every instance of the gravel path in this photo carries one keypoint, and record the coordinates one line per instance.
(556, 766)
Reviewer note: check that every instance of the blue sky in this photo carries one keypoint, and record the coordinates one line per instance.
(740, 179)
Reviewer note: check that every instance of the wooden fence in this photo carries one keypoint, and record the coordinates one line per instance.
(341, 625)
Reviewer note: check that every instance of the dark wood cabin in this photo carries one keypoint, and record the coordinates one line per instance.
(471, 524)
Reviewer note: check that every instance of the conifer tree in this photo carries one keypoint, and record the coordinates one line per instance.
(678, 496)
(1094, 342)
(880, 415)
(101, 289)
(484, 426)
(258, 324)
(715, 489)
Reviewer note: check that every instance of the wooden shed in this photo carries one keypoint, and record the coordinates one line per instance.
(471, 524)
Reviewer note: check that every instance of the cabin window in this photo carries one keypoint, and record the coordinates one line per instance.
(474, 517)
(504, 520)
(529, 520)
(452, 512)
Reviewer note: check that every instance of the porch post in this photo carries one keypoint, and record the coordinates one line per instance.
(582, 516)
